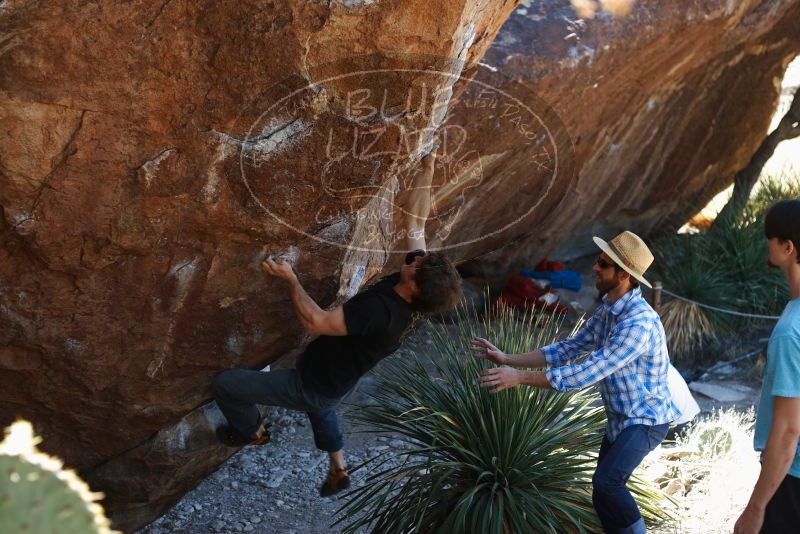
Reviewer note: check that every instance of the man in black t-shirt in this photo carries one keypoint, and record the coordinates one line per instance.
(374, 320)
(351, 340)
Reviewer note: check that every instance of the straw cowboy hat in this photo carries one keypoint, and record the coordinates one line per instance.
(630, 253)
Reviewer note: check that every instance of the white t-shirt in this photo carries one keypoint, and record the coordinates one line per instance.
(682, 397)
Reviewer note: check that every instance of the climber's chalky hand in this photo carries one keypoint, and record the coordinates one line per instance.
(279, 268)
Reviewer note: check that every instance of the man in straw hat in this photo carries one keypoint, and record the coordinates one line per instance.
(627, 357)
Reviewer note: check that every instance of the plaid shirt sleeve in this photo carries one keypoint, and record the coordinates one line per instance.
(628, 340)
(570, 348)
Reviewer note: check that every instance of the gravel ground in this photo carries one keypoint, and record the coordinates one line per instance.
(275, 487)
(272, 488)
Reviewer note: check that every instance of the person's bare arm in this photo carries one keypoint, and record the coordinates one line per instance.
(500, 378)
(779, 454)
(314, 319)
(417, 204)
(482, 348)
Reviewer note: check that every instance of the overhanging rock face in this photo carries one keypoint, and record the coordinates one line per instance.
(152, 153)
(663, 107)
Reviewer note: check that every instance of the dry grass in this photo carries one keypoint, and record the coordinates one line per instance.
(688, 328)
(710, 473)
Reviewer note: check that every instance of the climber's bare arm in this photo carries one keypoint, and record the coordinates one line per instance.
(314, 319)
(418, 204)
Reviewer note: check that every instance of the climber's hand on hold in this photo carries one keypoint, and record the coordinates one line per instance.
(279, 268)
(315, 320)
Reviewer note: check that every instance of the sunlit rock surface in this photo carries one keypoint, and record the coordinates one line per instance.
(152, 153)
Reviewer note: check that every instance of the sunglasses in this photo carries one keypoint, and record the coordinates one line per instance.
(603, 264)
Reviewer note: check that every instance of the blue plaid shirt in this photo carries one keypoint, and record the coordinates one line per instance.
(628, 358)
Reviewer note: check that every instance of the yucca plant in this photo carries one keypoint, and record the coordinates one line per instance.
(688, 328)
(773, 187)
(726, 268)
(518, 461)
(686, 268)
(740, 245)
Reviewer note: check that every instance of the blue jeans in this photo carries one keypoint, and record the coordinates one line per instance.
(613, 502)
(238, 391)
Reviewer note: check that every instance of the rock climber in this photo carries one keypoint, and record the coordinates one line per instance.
(349, 341)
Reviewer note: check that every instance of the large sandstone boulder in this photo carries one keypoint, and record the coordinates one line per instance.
(663, 107)
(150, 154)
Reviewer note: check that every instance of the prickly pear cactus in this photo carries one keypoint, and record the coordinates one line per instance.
(38, 496)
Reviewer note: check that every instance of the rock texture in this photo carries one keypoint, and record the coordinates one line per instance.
(663, 107)
(146, 167)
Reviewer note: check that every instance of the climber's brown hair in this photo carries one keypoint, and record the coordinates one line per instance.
(438, 282)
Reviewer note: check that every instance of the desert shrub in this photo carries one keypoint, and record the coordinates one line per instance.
(710, 471)
(724, 267)
(518, 461)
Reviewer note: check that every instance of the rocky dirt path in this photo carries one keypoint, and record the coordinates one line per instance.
(274, 488)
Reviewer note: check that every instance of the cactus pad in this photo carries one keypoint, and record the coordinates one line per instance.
(39, 496)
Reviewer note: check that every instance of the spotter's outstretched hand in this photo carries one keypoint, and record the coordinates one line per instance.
(500, 378)
(484, 350)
